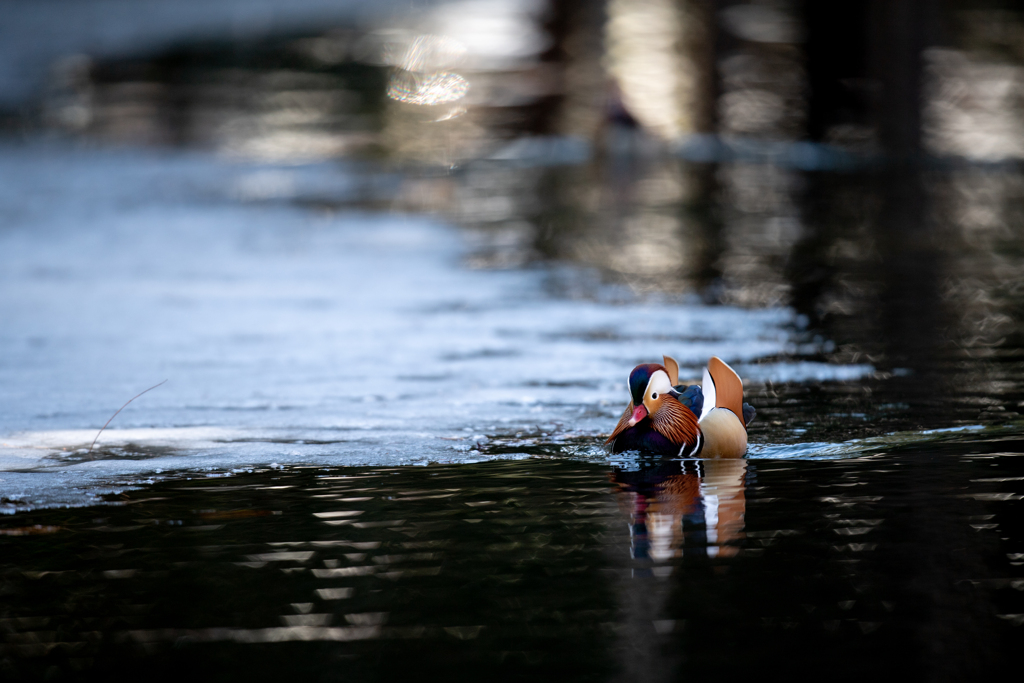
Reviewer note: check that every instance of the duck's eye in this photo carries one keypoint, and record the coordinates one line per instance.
(654, 396)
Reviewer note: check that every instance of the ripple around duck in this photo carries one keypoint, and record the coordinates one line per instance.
(547, 568)
(51, 477)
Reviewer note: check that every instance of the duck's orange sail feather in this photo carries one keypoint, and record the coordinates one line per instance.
(728, 386)
(672, 369)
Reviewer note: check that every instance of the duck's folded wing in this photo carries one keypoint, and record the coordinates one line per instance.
(692, 397)
(678, 424)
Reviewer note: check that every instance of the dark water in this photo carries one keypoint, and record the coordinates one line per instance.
(907, 561)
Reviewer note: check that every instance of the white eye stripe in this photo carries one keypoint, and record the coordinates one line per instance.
(658, 384)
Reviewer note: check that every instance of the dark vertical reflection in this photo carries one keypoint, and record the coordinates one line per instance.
(900, 31)
(836, 68)
(912, 322)
(708, 238)
(702, 40)
(815, 271)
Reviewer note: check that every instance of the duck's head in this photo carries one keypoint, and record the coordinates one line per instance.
(649, 387)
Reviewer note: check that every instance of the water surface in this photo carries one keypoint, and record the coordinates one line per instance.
(532, 569)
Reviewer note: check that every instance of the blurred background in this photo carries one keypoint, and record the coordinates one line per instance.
(354, 236)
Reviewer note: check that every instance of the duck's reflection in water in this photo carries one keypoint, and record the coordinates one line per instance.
(681, 508)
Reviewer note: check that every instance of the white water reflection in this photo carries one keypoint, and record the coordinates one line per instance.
(429, 89)
(420, 77)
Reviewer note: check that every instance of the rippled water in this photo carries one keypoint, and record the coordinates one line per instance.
(532, 568)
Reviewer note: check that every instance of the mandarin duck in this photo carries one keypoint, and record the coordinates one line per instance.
(667, 418)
